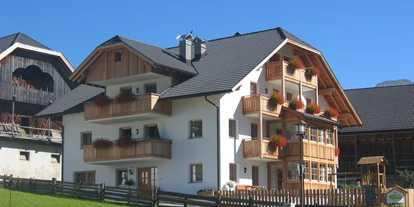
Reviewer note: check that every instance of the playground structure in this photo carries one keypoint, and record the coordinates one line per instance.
(373, 171)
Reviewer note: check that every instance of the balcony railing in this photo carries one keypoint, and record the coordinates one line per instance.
(141, 105)
(310, 149)
(276, 71)
(251, 149)
(251, 105)
(146, 148)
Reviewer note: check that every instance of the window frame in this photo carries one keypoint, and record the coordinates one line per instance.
(26, 154)
(233, 172)
(232, 128)
(322, 168)
(306, 171)
(83, 139)
(86, 176)
(122, 129)
(314, 171)
(255, 177)
(313, 133)
(147, 85)
(251, 89)
(321, 128)
(192, 122)
(329, 178)
(194, 172)
(329, 136)
(125, 89)
(253, 126)
(289, 96)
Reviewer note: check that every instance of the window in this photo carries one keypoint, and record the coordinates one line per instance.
(85, 177)
(196, 128)
(312, 133)
(292, 171)
(55, 158)
(321, 135)
(253, 88)
(120, 175)
(196, 172)
(126, 131)
(86, 139)
(275, 128)
(288, 96)
(322, 170)
(127, 90)
(253, 130)
(117, 56)
(233, 172)
(314, 171)
(290, 131)
(150, 88)
(24, 155)
(330, 171)
(306, 171)
(154, 177)
(232, 128)
(274, 58)
(308, 101)
(151, 131)
(329, 136)
(255, 175)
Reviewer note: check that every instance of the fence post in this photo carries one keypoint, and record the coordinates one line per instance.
(35, 185)
(102, 196)
(129, 195)
(155, 201)
(54, 186)
(78, 189)
(250, 200)
(218, 201)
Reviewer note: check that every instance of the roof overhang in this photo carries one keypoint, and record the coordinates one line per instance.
(19, 45)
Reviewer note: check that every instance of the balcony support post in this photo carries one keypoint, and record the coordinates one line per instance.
(260, 125)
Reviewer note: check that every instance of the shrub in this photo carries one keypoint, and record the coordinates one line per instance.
(101, 100)
(123, 141)
(295, 64)
(407, 178)
(278, 140)
(101, 143)
(312, 71)
(296, 104)
(331, 113)
(125, 97)
(313, 108)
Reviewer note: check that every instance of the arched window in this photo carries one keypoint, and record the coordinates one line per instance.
(34, 78)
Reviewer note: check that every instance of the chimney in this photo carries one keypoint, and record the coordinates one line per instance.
(200, 48)
(185, 49)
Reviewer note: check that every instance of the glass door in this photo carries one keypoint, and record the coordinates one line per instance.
(276, 177)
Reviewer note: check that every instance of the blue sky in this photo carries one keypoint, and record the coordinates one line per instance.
(365, 42)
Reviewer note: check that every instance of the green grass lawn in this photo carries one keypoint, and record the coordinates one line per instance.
(21, 199)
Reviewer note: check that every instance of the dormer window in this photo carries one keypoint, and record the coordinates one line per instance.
(117, 56)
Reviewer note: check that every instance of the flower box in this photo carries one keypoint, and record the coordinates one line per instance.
(296, 104)
(331, 113)
(313, 108)
(101, 143)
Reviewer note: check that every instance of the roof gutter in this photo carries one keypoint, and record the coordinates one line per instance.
(218, 142)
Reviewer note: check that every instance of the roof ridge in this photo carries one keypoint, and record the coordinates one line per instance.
(283, 31)
(9, 35)
(16, 38)
(228, 37)
(374, 87)
(140, 42)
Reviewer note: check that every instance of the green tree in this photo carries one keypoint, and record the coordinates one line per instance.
(407, 178)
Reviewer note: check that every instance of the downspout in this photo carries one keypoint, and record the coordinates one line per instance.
(63, 141)
(218, 142)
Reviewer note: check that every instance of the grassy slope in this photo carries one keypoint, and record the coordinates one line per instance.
(21, 199)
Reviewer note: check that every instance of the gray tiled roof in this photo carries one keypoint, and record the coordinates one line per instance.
(7, 41)
(228, 61)
(75, 97)
(382, 108)
(159, 56)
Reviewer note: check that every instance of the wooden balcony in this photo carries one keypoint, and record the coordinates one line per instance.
(310, 149)
(251, 149)
(142, 108)
(278, 70)
(251, 105)
(146, 149)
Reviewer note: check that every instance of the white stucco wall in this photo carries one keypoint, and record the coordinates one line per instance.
(173, 174)
(39, 165)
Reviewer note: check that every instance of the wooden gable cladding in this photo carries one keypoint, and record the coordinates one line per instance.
(105, 66)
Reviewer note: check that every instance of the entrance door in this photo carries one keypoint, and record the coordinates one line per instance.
(144, 178)
(255, 175)
(276, 176)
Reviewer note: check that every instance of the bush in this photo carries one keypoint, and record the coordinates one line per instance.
(407, 178)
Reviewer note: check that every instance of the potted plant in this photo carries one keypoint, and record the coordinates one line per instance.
(277, 140)
(296, 104)
(337, 151)
(123, 141)
(312, 71)
(276, 100)
(129, 182)
(294, 64)
(101, 100)
(331, 113)
(101, 143)
(205, 192)
(125, 97)
(313, 108)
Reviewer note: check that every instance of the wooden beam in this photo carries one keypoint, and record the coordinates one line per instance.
(326, 91)
(345, 116)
